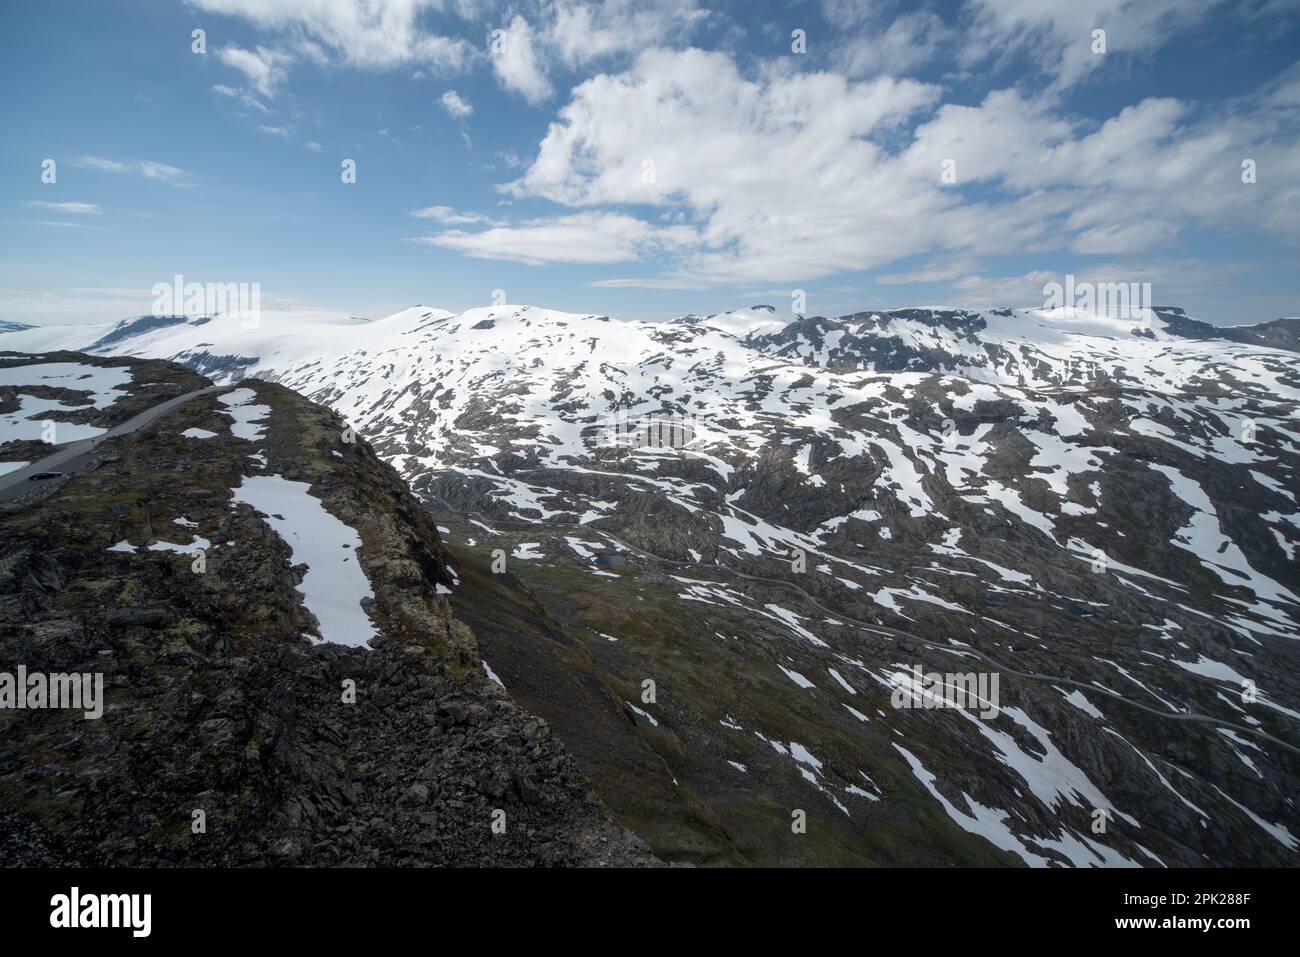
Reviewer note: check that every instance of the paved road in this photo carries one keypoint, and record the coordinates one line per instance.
(74, 456)
(897, 633)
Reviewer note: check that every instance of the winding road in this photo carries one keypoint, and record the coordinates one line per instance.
(76, 456)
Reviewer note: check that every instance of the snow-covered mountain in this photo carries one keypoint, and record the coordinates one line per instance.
(1102, 512)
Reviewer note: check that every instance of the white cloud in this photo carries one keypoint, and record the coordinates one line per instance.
(247, 99)
(388, 34)
(907, 43)
(882, 36)
(577, 238)
(455, 106)
(146, 168)
(279, 131)
(711, 133)
(76, 209)
(376, 34)
(1058, 33)
(849, 13)
(789, 176)
(575, 33)
(266, 69)
(313, 146)
(65, 225)
(780, 168)
(1139, 178)
(580, 32)
(449, 216)
(516, 62)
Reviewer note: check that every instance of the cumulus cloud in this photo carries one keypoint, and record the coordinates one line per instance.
(516, 62)
(778, 168)
(710, 132)
(580, 32)
(264, 68)
(539, 36)
(790, 176)
(575, 33)
(456, 107)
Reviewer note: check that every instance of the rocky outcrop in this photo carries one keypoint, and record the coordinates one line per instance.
(229, 735)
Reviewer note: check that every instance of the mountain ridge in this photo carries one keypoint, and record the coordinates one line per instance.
(1110, 503)
(284, 682)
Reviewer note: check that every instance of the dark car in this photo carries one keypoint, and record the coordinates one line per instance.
(43, 476)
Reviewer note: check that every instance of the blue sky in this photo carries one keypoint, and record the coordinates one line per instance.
(648, 159)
